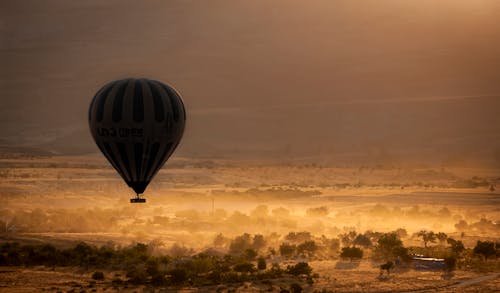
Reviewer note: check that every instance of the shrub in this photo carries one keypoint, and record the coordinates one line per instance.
(261, 263)
(98, 276)
(307, 247)
(295, 288)
(301, 268)
(178, 275)
(244, 267)
(450, 262)
(386, 267)
(250, 254)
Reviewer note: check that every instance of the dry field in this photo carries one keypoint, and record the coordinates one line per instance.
(63, 200)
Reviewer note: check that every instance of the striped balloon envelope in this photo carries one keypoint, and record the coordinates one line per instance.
(137, 124)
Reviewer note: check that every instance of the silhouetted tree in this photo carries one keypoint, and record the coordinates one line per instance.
(287, 249)
(401, 232)
(347, 238)
(427, 236)
(250, 254)
(351, 253)
(258, 242)
(308, 247)
(240, 244)
(219, 240)
(362, 240)
(298, 237)
(390, 246)
(261, 263)
(461, 226)
(456, 246)
(441, 236)
(485, 248)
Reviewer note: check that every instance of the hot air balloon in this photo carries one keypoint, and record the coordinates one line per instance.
(137, 124)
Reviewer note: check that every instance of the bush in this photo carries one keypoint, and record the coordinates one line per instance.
(386, 267)
(307, 247)
(244, 267)
(261, 263)
(301, 268)
(287, 249)
(450, 263)
(250, 254)
(295, 288)
(351, 253)
(98, 276)
(178, 275)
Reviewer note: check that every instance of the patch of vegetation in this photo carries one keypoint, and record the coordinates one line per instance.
(144, 268)
(98, 275)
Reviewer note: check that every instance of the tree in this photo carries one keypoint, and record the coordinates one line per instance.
(287, 249)
(390, 246)
(485, 248)
(308, 247)
(427, 236)
(351, 253)
(347, 238)
(298, 237)
(457, 246)
(401, 232)
(334, 245)
(362, 240)
(250, 254)
(461, 226)
(261, 263)
(258, 242)
(441, 236)
(219, 240)
(240, 244)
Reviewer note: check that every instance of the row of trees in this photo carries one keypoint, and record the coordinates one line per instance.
(143, 267)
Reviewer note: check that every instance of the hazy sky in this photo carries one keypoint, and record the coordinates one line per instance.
(318, 76)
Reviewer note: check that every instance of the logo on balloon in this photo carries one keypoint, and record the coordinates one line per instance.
(120, 132)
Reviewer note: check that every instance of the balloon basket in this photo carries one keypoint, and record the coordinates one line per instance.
(137, 199)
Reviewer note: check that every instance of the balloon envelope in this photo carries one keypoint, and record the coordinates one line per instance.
(137, 124)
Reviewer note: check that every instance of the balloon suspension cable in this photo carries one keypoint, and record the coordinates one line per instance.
(137, 199)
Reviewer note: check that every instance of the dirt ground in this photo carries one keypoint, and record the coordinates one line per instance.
(364, 279)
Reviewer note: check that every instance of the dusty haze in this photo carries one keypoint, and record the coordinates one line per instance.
(412, 80)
